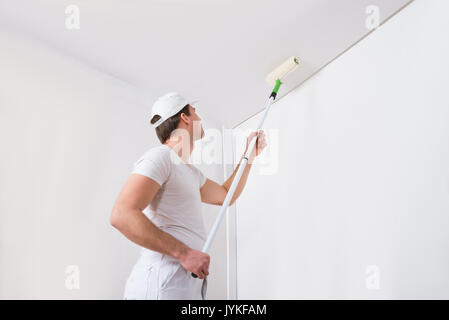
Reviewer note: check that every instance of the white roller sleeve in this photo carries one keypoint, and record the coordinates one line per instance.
(286, 67)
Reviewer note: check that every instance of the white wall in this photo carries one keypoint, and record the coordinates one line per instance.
(69, 136)
(362, 174)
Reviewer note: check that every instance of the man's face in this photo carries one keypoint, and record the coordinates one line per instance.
(194, 116)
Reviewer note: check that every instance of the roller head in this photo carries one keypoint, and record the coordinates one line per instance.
(285, 68)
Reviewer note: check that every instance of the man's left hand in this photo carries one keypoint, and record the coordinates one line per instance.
(261, 143)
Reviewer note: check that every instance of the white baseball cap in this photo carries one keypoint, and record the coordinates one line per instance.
(168, 105)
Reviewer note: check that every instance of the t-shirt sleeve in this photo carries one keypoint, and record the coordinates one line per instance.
(154, 166)
(203, 178)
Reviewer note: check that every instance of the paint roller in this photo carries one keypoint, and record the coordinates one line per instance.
(280, 72)
(273, 78)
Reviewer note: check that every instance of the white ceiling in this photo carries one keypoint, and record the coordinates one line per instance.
(218, 50)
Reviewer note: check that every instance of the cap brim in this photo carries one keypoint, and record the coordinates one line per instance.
(194, 102)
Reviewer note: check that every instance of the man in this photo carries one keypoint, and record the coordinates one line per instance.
(159, 207)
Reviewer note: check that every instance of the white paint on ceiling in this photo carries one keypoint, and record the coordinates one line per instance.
(218, 51)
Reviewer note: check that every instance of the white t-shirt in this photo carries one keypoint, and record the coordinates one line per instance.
(176, 207)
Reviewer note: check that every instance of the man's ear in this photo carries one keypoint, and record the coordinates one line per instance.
(184, 117)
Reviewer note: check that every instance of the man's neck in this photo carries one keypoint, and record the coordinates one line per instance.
(181, 149)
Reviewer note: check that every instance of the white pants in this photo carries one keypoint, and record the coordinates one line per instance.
(160, 277)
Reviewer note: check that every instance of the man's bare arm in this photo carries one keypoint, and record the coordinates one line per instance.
(214, 193)
(127, 216)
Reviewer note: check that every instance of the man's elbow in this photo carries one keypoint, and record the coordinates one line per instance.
(115, 219)
(225, 194)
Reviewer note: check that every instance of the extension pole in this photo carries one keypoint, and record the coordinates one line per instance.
(237, 177)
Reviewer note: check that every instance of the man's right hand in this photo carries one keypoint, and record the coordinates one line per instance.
(197, 262)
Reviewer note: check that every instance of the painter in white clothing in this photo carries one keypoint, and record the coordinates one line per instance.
(159, 207)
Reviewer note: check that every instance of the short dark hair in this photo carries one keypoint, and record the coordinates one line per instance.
(165, 129)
